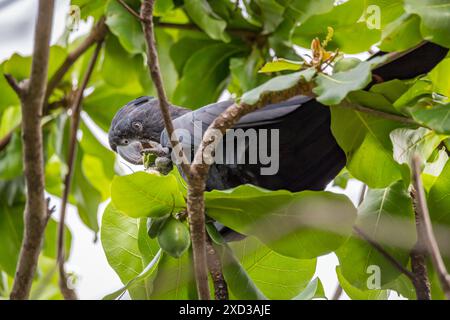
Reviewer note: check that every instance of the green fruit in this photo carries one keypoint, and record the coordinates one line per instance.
(173, 237)
(154, 225)
(345, 64)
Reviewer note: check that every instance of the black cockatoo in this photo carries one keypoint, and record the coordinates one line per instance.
(309, 157)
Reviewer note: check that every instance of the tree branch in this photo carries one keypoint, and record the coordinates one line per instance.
(35, 214)
(384, 253)
(14, 85)
(215, 269)
(97, 34)
(68, 293)
(130, 9)
(427, 234)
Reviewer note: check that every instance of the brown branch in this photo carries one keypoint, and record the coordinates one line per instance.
(129, 9)
(215, 269)
(35, 214)
(427, 229)
(14, 85)
(418, 257)
(384, 253)
(68, 293)
(97, 34)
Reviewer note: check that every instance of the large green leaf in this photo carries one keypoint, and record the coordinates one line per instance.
(439, 198)
(358, 294)
(204, 75)
(302, 225)
(144, 194)
(384, 215)
(439, 76)
(333, 89)
(126, 27)
(365, 141)
(401, 34)
(119, 236)
(213, 25)
(277, 276)
(239, 283)
(174, 279)
(350, 34)
(435, 19)
(434, 115)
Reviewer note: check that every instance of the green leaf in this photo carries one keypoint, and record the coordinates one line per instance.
(86, 197)
(143, 194)
(148, 271)
(10, 119)
(301, 225)
(271, 14)
(301, 10)
(277, 276)
(98, 162)
(357, 294)
(333, 89)
(11, 228)
(281, 65)
(201, 13)
(9, 97)
(94, 8)
(350, 34)
(126, 27)
(434, 15)
(174, 279)
(410, 142)
(401, 34)
(119, 236)
(11, 159)
(204, 75)
(439, 77)
(51, 239)
(433, 115)
(240, 285)
(279, 83)
(439, 198)
(244, 72)
(367, 142)
(386, 216)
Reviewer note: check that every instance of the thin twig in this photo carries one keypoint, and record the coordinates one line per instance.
(35, 215)
(384, 253)
(67, 292)
(97, 34)
(428, 234)
(215, 269)
(129, 9)
(14, 85)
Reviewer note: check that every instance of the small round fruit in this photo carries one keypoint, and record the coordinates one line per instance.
(173, 237)
(345, 64)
